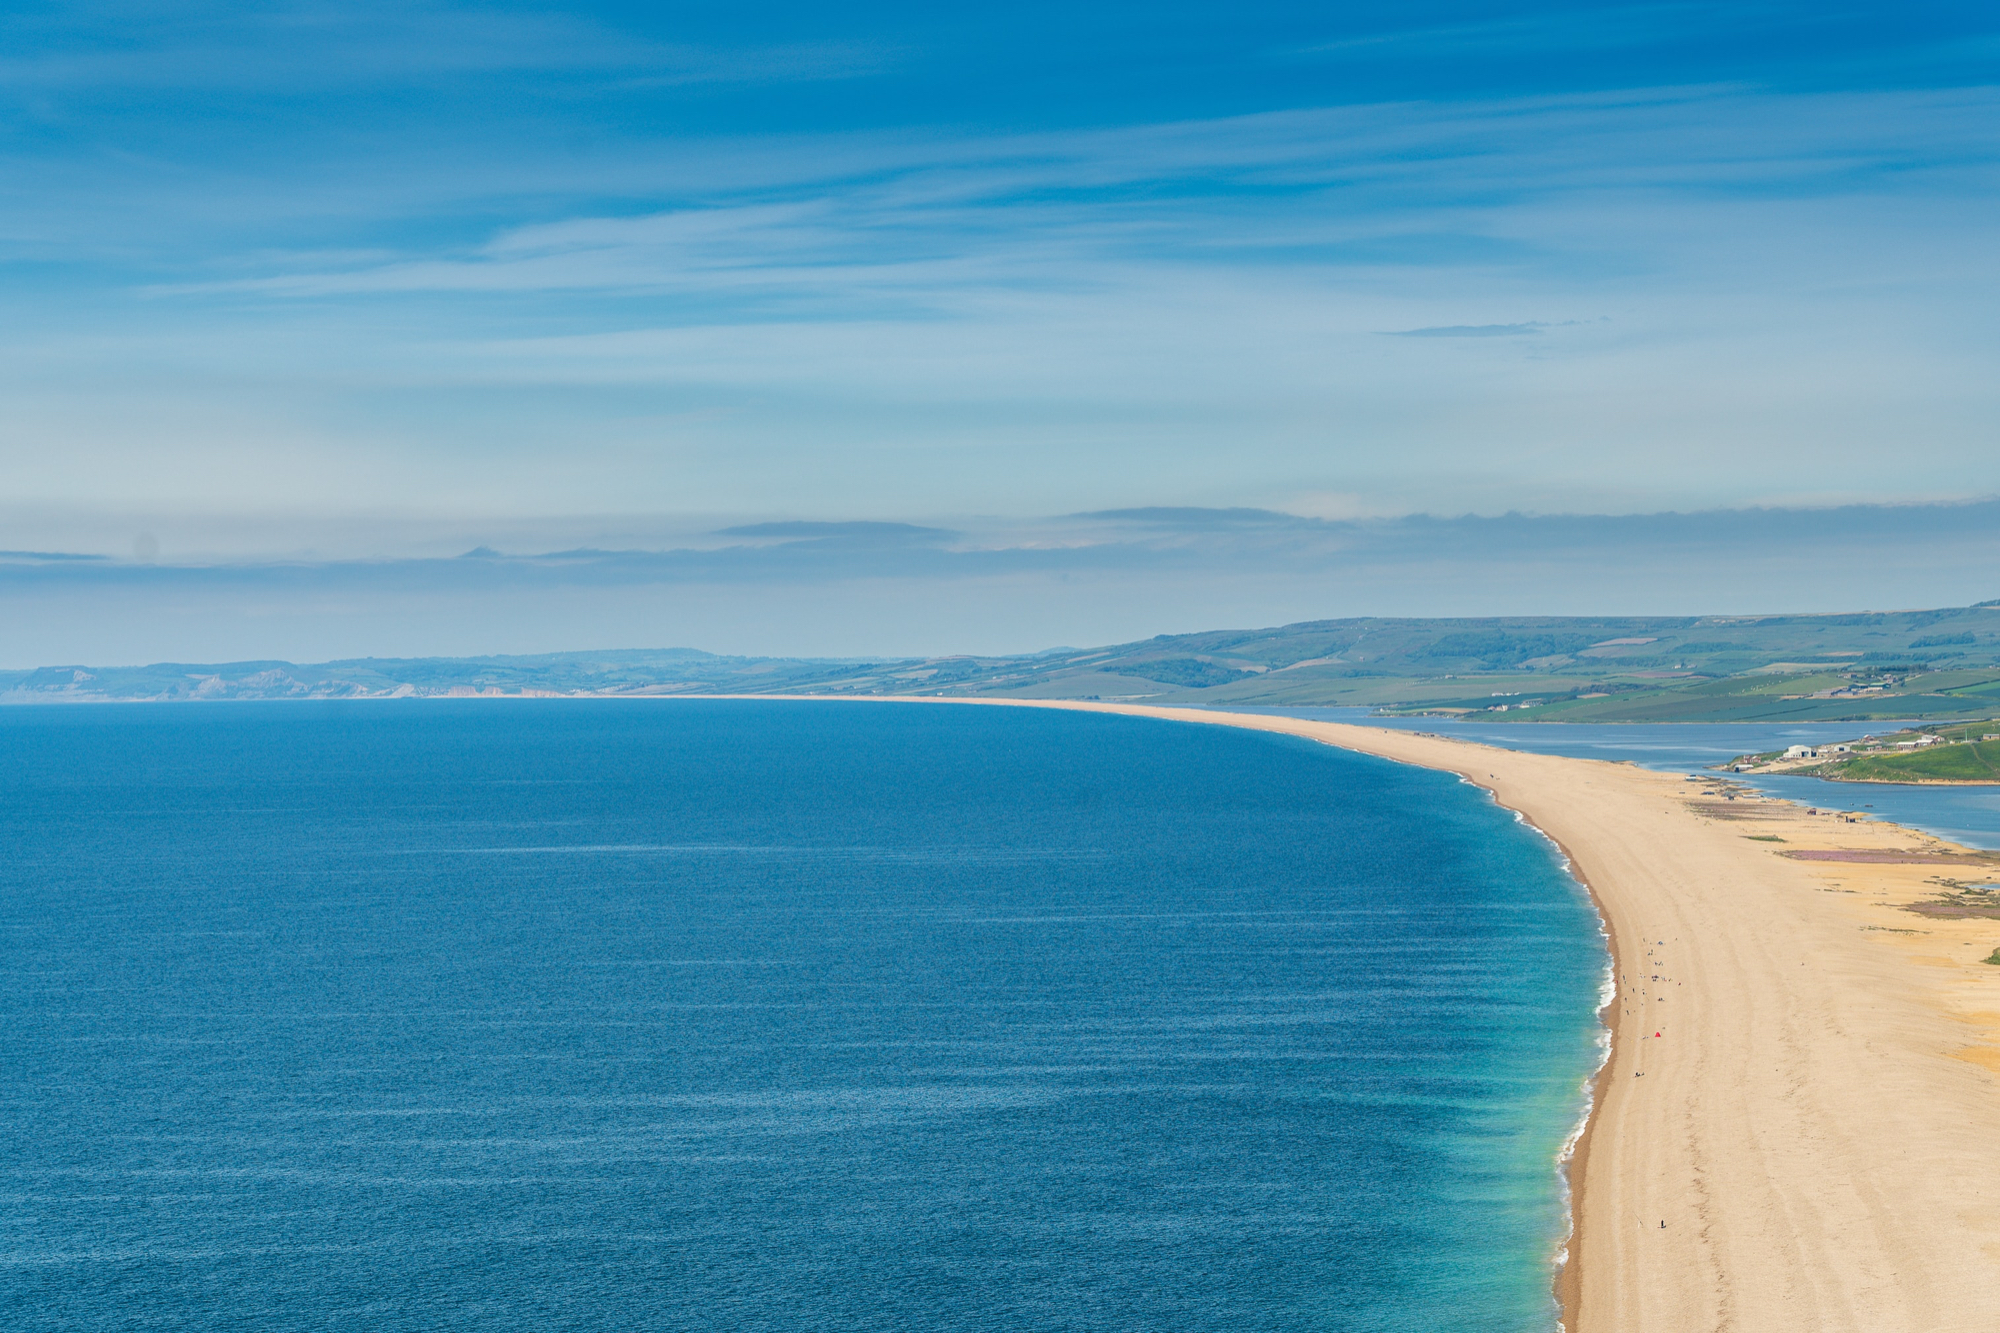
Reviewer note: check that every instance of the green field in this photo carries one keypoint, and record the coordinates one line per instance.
(1973, 762)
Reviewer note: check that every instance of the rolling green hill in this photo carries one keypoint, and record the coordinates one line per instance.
(1940, 763)
(1932, 752)
(1860, 667)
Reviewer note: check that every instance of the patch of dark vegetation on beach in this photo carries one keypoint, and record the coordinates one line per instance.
(1958, 901)
(1956, 910)
(1871, 856)
(1733, 810)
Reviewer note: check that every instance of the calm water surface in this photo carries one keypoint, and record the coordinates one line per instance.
(717, 1015)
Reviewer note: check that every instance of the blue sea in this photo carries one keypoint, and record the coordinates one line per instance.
(707, 1015)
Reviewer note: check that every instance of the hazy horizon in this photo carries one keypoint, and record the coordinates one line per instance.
(306, 301)
(984, 586)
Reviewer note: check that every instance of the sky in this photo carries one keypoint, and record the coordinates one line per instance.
(303, 302)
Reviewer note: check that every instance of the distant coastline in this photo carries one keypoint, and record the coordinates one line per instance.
(1860, 668)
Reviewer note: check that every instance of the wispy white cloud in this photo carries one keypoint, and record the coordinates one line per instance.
(1435, 187)
(297, 48)
(1532, 328)
(1566, 30)
(1707, 294)
(985, 585)
(402, 279)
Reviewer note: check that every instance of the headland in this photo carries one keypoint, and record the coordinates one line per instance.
(1965, 754)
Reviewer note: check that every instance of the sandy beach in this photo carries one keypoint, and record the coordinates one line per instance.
(1795, 1129)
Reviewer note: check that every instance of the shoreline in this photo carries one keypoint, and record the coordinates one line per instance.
(1789, 1128)
(1573, 1161)
(1802, 1147)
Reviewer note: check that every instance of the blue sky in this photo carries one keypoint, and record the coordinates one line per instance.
(309, 283)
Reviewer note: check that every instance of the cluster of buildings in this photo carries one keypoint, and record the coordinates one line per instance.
(1830, 751)
(1816, 751)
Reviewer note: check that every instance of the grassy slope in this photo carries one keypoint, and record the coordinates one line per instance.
(1938, 664)
(1685, 668)
(1684, 672)
(1975, 762)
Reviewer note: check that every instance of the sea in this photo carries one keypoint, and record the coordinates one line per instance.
(771, 1015)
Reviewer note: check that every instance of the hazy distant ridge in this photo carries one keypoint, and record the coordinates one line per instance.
(1899, 663)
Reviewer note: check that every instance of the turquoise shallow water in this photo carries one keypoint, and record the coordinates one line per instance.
(719, 1015)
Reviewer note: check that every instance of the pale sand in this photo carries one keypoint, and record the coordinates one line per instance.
(1818, 1124)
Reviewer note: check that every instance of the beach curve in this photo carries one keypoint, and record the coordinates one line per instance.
(1789, 1132)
